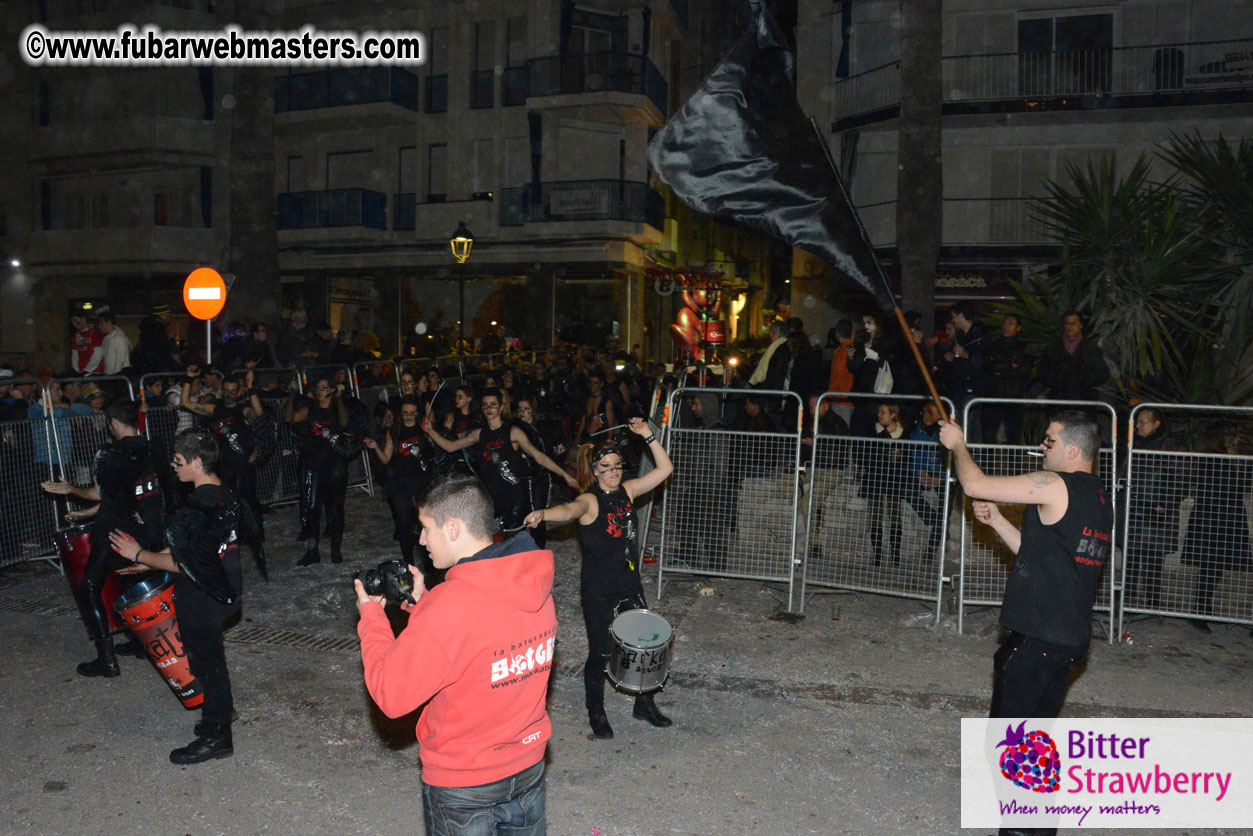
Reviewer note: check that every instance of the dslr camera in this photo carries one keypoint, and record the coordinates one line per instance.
(391, 579)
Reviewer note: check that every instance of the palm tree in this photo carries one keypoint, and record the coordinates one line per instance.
(1140, 261)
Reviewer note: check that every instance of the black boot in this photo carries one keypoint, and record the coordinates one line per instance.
(337, 556)
(311, 557)
(213, 742)
(105, 663)
(647, 710)
(599, 722)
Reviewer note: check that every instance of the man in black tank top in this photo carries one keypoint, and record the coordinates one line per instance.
(1060, 551)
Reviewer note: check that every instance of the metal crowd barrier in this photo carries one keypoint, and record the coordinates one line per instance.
(28, 516)
(730, 508)
(877, 515)
(1187, 518)
(985, 561)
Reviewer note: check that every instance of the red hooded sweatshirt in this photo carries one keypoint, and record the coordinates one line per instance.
(479, 647)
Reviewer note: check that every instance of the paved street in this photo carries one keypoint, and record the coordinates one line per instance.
(845, 721)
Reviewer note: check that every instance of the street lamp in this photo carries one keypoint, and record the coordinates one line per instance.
(462, 242)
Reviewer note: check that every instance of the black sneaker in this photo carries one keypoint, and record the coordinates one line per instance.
(100, 667)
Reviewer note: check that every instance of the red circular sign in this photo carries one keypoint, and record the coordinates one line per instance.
(204, 293)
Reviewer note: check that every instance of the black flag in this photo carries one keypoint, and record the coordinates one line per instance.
(742, 148)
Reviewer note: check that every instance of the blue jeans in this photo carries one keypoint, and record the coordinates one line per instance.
(514, 805)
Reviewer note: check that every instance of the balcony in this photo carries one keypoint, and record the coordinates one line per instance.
(967, 222)
(332, 208)
(1211, 72)
(144, 134)
(346, 86)
(601, 73)
(582, 200)
(513, 86)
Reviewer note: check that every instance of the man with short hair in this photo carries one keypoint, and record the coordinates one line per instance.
(115, 346)
(1061, 550)
(203, 555)
(778, 337)
(129, 498)
(483, 680)
(1008, 367)
(1074, 367)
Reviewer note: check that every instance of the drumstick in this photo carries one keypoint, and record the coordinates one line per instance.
(607, 430)
(431, 404)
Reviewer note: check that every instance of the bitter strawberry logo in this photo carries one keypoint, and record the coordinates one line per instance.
(1030, 759)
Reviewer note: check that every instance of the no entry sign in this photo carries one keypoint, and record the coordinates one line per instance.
(204, 293)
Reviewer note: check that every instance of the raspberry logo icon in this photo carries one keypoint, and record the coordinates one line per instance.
(1030, 759)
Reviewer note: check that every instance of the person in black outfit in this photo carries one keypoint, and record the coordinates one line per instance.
(609, 582)
(538, 480)
(495, 452)
(1060, 551)
(407, 454)
(1154, 524)
(1218, 532)
(1007, 370)
(129, 498)
(317, 425)
(203, 554)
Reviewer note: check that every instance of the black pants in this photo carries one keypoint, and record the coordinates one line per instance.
(100, 562)
(401, 495)
(1030, 676)
(200, 626)
(598, 615)
(324, 483)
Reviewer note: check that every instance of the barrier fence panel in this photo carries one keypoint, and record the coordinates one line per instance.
(375, 381)
(985, 560)
(28, 516)
(878, 506)
(1187, 513)
(278, 464)
(730, 507)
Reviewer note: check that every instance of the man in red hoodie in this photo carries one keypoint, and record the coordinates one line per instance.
(479, 647)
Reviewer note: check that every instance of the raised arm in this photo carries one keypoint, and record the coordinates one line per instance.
(583, 505)
(341, 410)
(664, 467)
(450, 446)
(385, 452)
(186, 402)
(518, 437)
(1042, 487)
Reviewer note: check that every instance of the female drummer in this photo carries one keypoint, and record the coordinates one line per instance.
(409, 458)
(610, 578)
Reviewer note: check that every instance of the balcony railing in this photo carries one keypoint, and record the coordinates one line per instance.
(513, 86)
(345, 86)
(1118, 71)
(967, 222)
(582, 200)
(405, 212)
(482, 89)
(597, 72)
(332, 208)
(437, 94)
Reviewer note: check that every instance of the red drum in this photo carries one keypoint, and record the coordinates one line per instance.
(147, 609)
(74, 544)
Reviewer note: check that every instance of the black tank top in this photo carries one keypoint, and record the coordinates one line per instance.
(496, 462)
(1053, 580)
(411, 456)
(611, 546)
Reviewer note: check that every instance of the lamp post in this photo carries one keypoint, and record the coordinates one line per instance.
(462, 242)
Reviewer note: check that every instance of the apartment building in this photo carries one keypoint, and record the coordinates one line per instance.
(1028, 86)
(527, 125)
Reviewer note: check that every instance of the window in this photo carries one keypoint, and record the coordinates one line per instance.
(483, 77)
(1065, 55)
(436, 173)
(437, 72)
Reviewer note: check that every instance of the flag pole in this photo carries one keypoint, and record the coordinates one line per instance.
(865, 239)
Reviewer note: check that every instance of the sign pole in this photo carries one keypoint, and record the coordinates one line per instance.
(208, 342)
